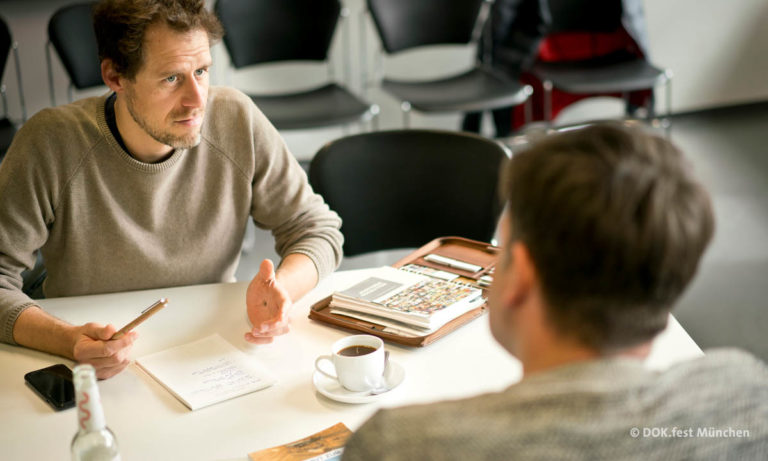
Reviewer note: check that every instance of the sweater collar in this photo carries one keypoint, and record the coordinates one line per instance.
(108, 125)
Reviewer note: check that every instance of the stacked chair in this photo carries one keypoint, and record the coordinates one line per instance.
(7, 127)
(71, 35)
(618, 73)
(260, 32)
(406, 24)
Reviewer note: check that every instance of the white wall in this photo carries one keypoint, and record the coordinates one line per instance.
(718, 49)
(715, 48)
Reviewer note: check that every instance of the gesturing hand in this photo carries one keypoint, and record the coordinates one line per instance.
(267, 303)
(108, 357)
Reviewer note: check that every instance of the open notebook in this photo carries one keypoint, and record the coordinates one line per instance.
(206, 371)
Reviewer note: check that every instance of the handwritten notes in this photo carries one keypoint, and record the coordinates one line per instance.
(206, 371)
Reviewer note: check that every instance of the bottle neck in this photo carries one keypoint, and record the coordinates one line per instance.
(90, 416)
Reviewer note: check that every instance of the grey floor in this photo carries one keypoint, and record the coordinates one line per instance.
(726, 304)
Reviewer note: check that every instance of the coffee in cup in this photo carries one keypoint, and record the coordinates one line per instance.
(354, 351)
(358, 362)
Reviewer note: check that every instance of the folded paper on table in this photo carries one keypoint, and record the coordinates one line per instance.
(206, 371)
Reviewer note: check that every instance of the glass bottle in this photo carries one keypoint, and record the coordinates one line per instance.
(93, 441)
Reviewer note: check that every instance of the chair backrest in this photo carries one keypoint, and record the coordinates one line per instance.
(7, 128)
(5, 46)
(582, 16)
(403, 188)
(404, 24)
(262, 31)
(71, 33)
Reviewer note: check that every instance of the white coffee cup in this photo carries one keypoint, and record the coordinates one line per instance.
(358, 362)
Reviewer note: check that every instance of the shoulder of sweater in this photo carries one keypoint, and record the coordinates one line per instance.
(729, 365)
(734, 368)
(483, 403)
(228, 105)
(228, 110)
(236, 127)
(60, 135)
(79, 114)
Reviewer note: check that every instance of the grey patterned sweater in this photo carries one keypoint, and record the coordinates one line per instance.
(711, 408)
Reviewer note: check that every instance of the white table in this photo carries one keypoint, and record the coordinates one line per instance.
(151, 424)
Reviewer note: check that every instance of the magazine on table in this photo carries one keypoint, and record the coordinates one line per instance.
(401, 299)
(466, 264)
(326, 445)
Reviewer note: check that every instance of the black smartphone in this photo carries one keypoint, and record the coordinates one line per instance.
(54, 385)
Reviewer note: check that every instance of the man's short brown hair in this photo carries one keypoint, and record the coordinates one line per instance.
(615, 224)
(120, 27)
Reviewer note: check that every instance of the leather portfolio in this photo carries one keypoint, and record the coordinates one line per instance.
(472, 261)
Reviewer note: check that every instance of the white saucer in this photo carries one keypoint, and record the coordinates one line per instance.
(331, 388)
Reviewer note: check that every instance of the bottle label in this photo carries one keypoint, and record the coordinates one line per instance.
(84, 414)
(90, 415)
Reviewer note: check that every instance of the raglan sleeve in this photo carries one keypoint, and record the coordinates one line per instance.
(284, 202)
(26, 210)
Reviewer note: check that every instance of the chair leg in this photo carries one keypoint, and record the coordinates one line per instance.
(19, 80)
(50, 73)
(405, 108)
(650, 107)
(668, 86)
(627, 110)
(363, 55)
(375, 117)
(547, 84)
(668, 115)
(5, 100)
(527, 111)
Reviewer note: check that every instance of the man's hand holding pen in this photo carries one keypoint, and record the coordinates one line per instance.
(93, 344)
(109, 350)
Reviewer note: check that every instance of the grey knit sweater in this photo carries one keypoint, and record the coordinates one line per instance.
(711, 408)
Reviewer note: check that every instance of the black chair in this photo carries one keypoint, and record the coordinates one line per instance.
(71, 34)
(265, 31)
(621, 72)
(403, 188)
(406, 24)
(32, 279)
(7, 127)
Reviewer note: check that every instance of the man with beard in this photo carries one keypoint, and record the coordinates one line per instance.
(152, 186)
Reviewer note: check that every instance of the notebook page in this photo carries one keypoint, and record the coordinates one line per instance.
(206, 371)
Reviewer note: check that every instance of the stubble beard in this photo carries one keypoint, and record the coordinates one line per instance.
(156, 133)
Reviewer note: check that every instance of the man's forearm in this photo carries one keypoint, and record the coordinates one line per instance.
(297, 273)
(36, 329)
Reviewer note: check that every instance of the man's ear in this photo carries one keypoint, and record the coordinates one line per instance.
(523, 278)
(110, 76)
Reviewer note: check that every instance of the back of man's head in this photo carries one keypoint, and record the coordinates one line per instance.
(615, 225)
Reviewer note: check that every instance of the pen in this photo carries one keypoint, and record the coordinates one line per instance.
(485, 281)
(145, 314)
(454, 263)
